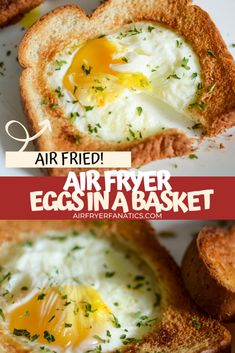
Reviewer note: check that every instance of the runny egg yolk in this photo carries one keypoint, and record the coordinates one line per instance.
(62, 318)
(93, 70)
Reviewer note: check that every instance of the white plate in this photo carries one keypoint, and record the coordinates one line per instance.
(211, 159)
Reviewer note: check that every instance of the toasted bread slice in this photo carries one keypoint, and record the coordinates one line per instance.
(181, 327)
(12, 10)
(215, 106)
(208, 270)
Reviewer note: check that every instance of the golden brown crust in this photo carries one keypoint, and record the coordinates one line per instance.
(208, 270)
(12, 10)
(176, 332)
(195, 25)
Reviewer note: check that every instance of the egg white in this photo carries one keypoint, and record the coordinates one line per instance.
(50, 261)
(165, 59)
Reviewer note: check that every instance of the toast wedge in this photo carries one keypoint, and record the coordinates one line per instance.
(181, 328)
(12, 10)
(208, 270)
(214, 109)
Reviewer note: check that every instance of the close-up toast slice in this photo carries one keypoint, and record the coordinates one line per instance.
(12, 10)
(31, 249)
(208, 270)
(140, 76)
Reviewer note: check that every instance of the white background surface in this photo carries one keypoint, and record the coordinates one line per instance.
(212, 160)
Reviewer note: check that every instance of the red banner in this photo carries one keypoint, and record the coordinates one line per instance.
(190, 198)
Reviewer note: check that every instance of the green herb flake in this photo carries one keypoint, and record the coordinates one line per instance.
(193, 156)
(54, 105)
(196, 323)
(49, 337)
(109, 274)
(184, 64)
(52, 318)
(167, 234)
(150, 29)
(41, 296)
(125, 60)
(178, 43)
(139, 110)
(59, 92)
(86, 69)
(176, 77)
(67, 325)
(2, 315)
(196, 126)
(211, 54)
(116, 322)
(194, 75)
(88, 108)
(34, 338)
(21, 333)
(108, 334)
(59, 64)
(44, 101)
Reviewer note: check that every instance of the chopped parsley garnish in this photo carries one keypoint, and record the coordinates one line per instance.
(109, 274)
(6, 277)
(54, 105)
(34, 338)
(88, 108)
(193, 156)
(8, 52)
(139, 110)
(41, 296)
(200, 86)
(2, 315)
(210, 53)
(98, 88)
(184, 64)
(78, 140)
(93, 129)
(108, 334)
(59, 92)
(59, 64)
(21, 333)
(116, 322)
(178, 43)
(145, 321)
(128, 340)
(52, 318)
(75, 89)
(158, 299)
(194, 75)
(196, 126)
(88, 309)
(86, 69)
(73, 117)
(196, 323)
(49, 337)
(199, 105)
(44, 101)
(139, 278)
(76, 247)
(67, 325)
(150, 29)
(125, 60)
(176, 77)
(167, 234)
(233, 45)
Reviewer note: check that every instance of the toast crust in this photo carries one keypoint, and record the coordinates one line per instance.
(175, 333)
(208, 270)
(65, 25)
(12, 10)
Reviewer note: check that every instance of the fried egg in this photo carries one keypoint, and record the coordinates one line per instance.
(127, 85)
(75, 292)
